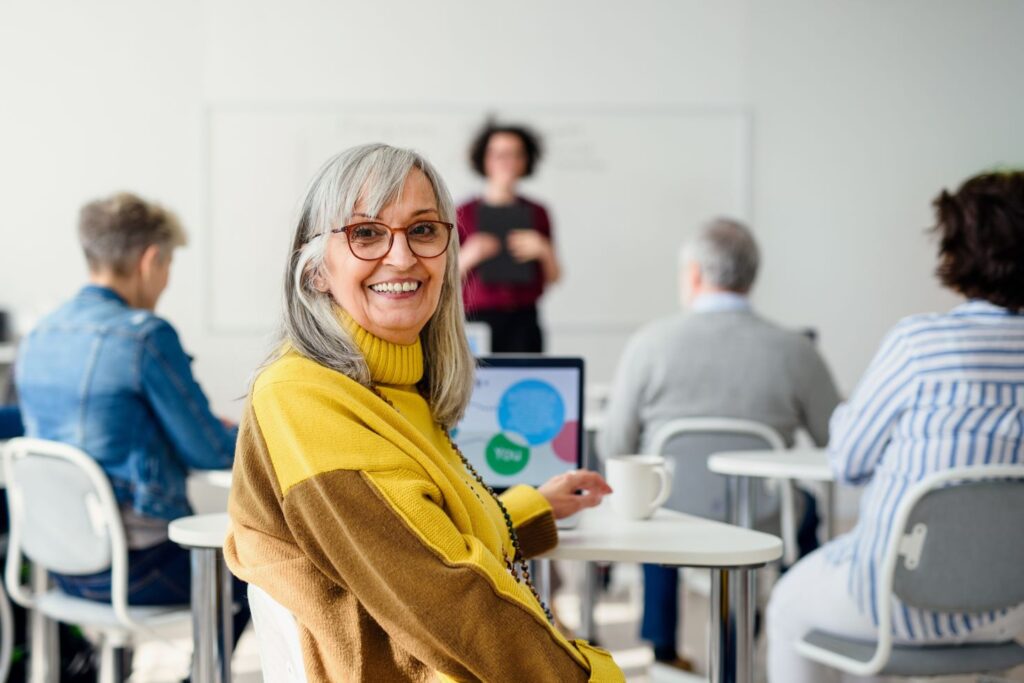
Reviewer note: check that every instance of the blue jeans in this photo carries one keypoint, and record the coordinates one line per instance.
(10, 422)
(661, 588)
(161, 575)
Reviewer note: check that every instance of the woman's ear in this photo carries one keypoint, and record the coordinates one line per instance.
(319, 282)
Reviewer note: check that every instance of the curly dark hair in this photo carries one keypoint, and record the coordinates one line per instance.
(531, 145)
(981, 238)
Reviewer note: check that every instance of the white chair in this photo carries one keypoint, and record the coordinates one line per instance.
(960, 535)
(6, 636)
(278, 636)
(687, 443)
(6, 621)
(65, 519)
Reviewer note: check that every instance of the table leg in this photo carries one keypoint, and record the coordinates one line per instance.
(211, 617)
(744, 604)
(830, 510)
(588, 629)
(731, 644)
(543, 569)
(744, 511)
(226, 610)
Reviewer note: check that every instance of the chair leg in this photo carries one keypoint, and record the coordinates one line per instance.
(44, 644)
(115, 662)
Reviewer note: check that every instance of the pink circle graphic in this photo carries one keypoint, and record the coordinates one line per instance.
(564, 445)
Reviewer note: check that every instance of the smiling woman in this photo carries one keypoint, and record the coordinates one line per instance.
(350, 504)
(390, 286)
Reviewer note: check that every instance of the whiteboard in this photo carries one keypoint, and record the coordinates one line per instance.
(624, 188)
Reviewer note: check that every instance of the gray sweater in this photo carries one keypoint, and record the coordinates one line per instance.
(717, 364)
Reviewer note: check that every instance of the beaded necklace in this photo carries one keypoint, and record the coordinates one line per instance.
(517, 565)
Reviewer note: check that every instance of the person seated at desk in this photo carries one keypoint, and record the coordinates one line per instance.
(107, 375)
(944, 390)
(350, 505)
(719, 360)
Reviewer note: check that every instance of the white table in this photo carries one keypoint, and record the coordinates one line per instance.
(218, 478)
(799, 463)
(674, 539)
(212, 600)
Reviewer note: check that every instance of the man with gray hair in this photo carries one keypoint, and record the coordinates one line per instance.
(721, 359)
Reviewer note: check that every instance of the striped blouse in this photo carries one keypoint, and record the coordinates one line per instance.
(944, 390)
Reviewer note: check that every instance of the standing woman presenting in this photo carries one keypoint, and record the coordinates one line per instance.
(507, 256)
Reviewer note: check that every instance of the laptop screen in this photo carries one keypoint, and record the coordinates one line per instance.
(524, 422)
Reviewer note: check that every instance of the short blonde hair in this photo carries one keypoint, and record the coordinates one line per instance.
(375, 173)
(115, 230)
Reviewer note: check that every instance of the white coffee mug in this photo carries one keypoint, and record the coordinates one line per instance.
(640, 484)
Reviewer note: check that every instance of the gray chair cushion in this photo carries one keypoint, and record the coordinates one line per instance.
(926, 660)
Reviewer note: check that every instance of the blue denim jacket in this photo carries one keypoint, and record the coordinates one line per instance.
(115, 382)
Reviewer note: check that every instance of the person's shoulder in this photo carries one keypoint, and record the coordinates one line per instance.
(147, 322)
(538, 209)
(146, 326)
(470, 204)
(923, 330)
(659, 332)
(291, 369)
(785, 335)
(916, 323)
(531, 202)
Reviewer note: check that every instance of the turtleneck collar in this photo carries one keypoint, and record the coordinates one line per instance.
(389, 363)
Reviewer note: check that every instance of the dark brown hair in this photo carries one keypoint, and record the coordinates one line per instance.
(531, 145)
(115, 230)
(981, 238)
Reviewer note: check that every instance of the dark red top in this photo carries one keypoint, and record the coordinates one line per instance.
(479, 295)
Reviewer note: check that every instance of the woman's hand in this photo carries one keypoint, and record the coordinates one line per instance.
(478, 247)
(527, 245)
(561, 491)
(530, 245)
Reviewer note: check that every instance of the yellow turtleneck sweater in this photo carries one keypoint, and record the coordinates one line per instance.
(360, 518)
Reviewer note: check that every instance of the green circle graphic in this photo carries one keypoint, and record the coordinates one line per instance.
(505, 456)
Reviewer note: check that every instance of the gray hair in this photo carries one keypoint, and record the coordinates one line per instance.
(375, 173)
(115, 230)
(726, 253)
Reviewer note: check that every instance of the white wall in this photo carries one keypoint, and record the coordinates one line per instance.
(862, 110)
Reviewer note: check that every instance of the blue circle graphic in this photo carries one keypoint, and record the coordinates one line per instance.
(533, 409)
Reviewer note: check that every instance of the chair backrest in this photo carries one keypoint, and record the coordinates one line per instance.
(963, 542)
(64, 517)
(278, 635)
(687, 443)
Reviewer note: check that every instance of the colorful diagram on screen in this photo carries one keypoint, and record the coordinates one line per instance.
(523, 429)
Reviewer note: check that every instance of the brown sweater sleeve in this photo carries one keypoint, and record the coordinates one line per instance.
(439, 598)
(533, 519)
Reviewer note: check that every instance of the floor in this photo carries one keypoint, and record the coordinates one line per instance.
(617, 615)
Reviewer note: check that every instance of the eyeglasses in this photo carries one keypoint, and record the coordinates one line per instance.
(371, 241)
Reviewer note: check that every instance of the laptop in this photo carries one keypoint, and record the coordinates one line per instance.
(524, 421)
